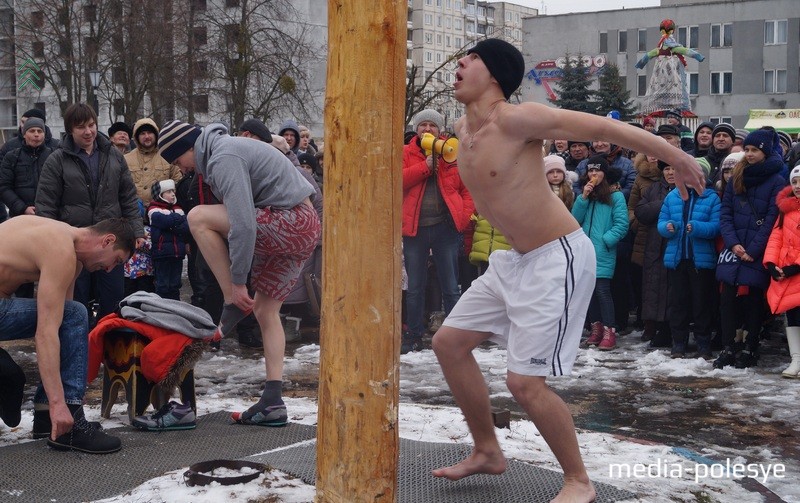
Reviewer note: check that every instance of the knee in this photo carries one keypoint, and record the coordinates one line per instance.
(526, 389)
(75, 314)
(195, 218)
(447, 344)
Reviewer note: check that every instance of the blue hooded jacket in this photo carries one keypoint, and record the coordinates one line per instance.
(703, 213)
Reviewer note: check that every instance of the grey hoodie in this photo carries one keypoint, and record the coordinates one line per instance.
(245, 175)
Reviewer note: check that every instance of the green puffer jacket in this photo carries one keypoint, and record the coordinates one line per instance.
(485, 240)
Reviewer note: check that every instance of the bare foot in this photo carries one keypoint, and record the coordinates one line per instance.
(575, 492)
(477, 462)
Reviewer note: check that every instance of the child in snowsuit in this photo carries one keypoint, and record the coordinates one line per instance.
(169, 229)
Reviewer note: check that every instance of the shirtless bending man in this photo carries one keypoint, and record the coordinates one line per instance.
(533, 298)
(54, 253)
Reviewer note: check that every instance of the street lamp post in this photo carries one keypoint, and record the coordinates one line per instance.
(94, 78)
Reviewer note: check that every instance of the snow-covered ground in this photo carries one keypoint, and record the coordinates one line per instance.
(655, 472)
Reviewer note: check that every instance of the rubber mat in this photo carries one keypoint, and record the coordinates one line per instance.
(32, 472)
(522, 482)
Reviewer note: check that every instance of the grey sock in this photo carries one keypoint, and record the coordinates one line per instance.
(230, 317)
(270, 397)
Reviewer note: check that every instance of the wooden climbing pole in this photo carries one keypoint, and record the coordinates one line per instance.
(357, 438)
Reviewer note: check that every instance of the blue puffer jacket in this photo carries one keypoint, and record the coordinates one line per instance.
(605, 225)
(703, 213)
(739, 225)
(169, 229)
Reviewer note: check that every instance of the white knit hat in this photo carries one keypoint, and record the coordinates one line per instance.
(730, 161)
(428, 114)
(795, 173)
(552, 162)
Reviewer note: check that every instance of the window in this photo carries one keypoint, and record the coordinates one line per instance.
(721, 82)
(119, 106)
(118, 75)
(642, 36)
(775, 32)
(41, 105)
(438, 58)
(200, 103)
(90, 12)
(720, 120)
(459, 42)
(439, 39)
(623, 41)
(459, 5)
(428, 57)
(641, 85)
(689, 36)
(603, 42)
(429, 19)
(470, 26)
(448, 42)
(38, 49)
(37, 19)
(482, 29)
(439, 21)
(774, 81)
(200, 35)
(232, 34)
(693, 81)
(457, 24)
(231, 3)
(448, 22)
(200, 69)
(429, 38)
(722, 35)
(198, 4)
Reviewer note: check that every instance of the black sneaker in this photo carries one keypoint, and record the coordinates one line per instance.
(42, 427)
(250, 338)
(172, 416)
(726, 357)
(85, 438)
(746, 359)
(12, 383)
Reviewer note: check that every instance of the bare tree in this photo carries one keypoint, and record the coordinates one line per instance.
(259, 61)
(64, 38)
(139, 60)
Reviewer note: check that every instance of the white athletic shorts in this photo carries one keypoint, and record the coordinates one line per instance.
(533, 304)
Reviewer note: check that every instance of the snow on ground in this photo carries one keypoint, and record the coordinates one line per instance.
(654, 472)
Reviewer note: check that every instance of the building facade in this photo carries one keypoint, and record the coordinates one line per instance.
(438, 29)
(751, 49)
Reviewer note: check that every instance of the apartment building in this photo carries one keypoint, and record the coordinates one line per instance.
(751, 49)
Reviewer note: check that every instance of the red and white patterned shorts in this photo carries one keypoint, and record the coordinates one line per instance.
(285, 239)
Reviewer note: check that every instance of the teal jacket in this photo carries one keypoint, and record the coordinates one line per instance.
(605, 225)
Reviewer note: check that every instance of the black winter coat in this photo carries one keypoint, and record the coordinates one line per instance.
(19, 177)
(65, 190)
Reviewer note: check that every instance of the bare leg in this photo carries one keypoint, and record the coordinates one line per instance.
(453, 348)
(553, 420)
(210, 226)
(267, 312)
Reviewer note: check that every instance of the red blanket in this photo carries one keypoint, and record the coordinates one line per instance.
(159, 358)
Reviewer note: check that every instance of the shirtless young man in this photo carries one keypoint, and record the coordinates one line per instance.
(54, 254)
(534, 297)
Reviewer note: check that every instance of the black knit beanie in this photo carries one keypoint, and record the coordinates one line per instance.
(504, 62)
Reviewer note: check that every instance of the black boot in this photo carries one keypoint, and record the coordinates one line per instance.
(84, 437)
(12, 383)
(42, 427)
(410, 343)
(726, 357)
(747, 358)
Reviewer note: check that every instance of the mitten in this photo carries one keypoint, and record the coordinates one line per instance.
(791, 270)
(773, 271)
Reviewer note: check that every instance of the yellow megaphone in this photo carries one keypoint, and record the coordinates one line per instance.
(448, 148)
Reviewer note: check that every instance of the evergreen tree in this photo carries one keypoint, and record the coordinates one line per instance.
(573, 88)
(612, 93)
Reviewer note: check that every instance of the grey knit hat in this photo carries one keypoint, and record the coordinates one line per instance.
(428, 114)
(32, 123)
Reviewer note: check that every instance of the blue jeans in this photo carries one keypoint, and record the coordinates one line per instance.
(18, 318)
(445, 243)
(167, 273)
(601, 307)
(107, 288)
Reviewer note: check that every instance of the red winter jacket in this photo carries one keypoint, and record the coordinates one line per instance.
(783, 248)
(415, 176)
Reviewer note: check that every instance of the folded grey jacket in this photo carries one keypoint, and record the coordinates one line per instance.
(175, 315)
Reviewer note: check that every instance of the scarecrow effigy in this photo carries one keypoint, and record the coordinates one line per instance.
(667, 89)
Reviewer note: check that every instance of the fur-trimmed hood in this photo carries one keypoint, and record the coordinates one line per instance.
(786, 200)
(646, 169)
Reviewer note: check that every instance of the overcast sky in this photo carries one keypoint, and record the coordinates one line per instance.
(564, 6)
